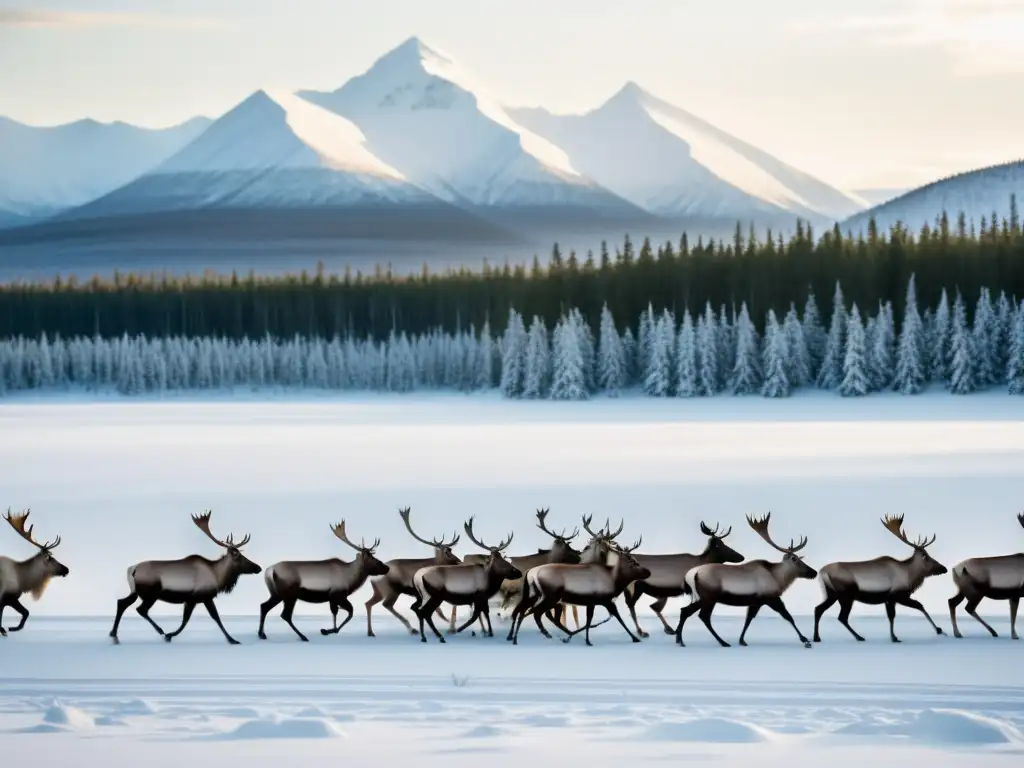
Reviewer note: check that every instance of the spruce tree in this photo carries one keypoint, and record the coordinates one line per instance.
(961, 352)
(537, 376)
(814, 333)
(569, 378)
(1015, 364)
(513, 363)
(687, 376)
(910, 370)
(611, 361)
(746, 374)
(831, 372)
(776, 359)
(708, 352)
(981, 342)
(939, 355)
(799, 370)
(855, 381)
(658, 378)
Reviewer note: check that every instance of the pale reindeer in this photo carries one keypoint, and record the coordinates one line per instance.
(880, 581)
(668, 575)
(587, 584)
(464, 584)
(561, 551)
(31, 576)
(320, 581)
(753, 584)
(189, 581)
(997, 578)
(398, 580)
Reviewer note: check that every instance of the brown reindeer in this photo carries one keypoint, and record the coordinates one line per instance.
(320, 581)
(398, 580)
(32, 575)
(189, 581)
(753, 584)
(668, 575)
(586, 584)
(881, 581)
(561, 551)
(997, 578)
(473, 584)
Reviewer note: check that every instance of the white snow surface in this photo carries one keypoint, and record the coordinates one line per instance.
(977, 194)
(118, 479)
(424, 113)
(671, 162)
(45, 169)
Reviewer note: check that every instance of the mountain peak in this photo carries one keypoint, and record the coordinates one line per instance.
(411, 53)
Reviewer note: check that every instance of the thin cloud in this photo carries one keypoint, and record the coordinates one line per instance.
(13, 17)
(980, 37)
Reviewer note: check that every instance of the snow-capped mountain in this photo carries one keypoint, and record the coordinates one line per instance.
(423, 113)
(44, 170)
(977, 194)
(675, 164)
(878, 195)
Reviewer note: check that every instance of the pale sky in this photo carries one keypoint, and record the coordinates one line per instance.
(865, 93)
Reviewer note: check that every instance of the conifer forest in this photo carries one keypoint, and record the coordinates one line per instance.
(854, 315)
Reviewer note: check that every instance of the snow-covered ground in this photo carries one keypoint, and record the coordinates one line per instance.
(117, 480)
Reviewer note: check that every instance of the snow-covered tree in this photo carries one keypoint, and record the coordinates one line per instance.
(831, 371)
(984, 354)
(585, 337)
(612, 374)
(484, 366)
(629, 354)
(726, 347)
(961, 351)
(513, 363)
(708, 352)
(882, 349)
(538, 360)
(911, 373)
(939, 340)
(658, 376)
(746, 374)
(645, 329)
(855, 381)
(776, 359)
(814, 333)
(1002, 331)
(687, 375)
(569, 381)
(1015, 364)
(798, 371)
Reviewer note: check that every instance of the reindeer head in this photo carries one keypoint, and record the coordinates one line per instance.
(240, 563)
(496, 564)
(51, 566)
(627, 566)
(717, 551)
(789, 554)
(600, 546)
(928, 564)
(561, 550)
(443, 554)
(365, 554)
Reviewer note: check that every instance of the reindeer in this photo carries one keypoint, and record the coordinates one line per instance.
(398, 580)
(32, 575)
(668, 575)
(320, 581)
(883, 580)
(753, 584)
(188, 581)
(473, 584)
(561, 551)
(997, 578)
(586, 584)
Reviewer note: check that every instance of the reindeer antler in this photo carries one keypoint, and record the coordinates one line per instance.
(18, 524)
(203, 524)
(436, 542)
(468, 527)
(894, 525)
(714, 534)
(634, 548)
(608, 533)
(542, 516)
(760, 526)
(339, 531)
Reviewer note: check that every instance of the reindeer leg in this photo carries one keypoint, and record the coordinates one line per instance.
(658, 606)
(632, 596)
(751, 613)
(586, 626)
(779, 607)
(186, 614)
(211, 609)
(486, 611)
(526, 601)
(143, 611)
(614, 611)
(266, 608)
(286, 617)
(1014, 603)
(972, 608)
(122, 605)
(684, 613)
(3, 632)
(576, 616)
(345, 605)
(426, 613)
(451, 622)
(16, 605)
(544, 607)
(845, 607)
(828, 602)
(389, 605)
(472, 619)
(954, 601)
(706, 609)
(333, 607)
(890, 611)
(374, 599)
(910, 602)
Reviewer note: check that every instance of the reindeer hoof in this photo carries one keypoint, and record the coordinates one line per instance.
(325, 632)
(168, 638)
(938, 631)
(807, 645)
(413, 631)
(637, 639)
(958, 635)
(743, 643)
(669, 631)
(232, 641)
(896, 640)
(303, 639)
(3, 632)
(442, 640)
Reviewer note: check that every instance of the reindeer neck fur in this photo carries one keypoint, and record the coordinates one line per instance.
(494, 581)
(33, 576)
(355, 570)
(620, 580)
(227, 573)
(916, 572)
(784, 573)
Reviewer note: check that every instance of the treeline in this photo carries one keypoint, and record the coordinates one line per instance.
(766, 273)
(857, 353)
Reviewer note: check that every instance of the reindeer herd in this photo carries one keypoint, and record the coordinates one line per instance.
(541, 584)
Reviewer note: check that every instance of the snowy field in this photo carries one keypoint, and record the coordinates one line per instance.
(118, 479)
